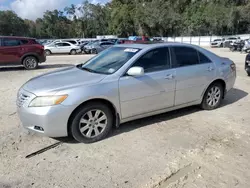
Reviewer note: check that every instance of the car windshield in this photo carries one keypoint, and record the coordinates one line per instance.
(110, 60)
(216, 40)
(95, 44)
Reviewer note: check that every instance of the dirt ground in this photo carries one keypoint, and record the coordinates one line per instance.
(186, 148)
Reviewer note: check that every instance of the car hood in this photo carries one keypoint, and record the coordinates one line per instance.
(53, 82)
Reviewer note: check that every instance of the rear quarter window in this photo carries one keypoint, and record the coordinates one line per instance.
(24, 42)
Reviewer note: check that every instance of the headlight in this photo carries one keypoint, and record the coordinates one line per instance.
(47, 101)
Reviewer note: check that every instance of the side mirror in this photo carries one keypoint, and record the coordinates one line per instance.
(136, 71)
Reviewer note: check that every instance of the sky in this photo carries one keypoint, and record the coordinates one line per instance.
(33, 9)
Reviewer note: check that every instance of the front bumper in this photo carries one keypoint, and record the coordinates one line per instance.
(52, 121)
(215, 45)
(87, 50)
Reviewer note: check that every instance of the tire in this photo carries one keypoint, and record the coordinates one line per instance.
(89, 125)
(48, 52)
(30, 63)
(93, 51)
(248, 73)
(216, 99)
(73, 52)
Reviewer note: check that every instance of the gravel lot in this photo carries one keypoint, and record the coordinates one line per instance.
(185, 148)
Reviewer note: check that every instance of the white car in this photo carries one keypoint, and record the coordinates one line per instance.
(217, 43)
(229, 41)
(72, 41)
(62, 48)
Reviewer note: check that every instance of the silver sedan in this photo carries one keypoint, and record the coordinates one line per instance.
(123, 83)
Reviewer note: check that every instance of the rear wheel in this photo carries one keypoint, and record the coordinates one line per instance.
(248, 73)
(213, 97)
(30, 63)
(92, 123)
(73, 52)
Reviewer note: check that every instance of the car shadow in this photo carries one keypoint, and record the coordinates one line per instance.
(21, 68)
(233, 96)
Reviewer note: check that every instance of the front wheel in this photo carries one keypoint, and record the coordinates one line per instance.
(92, 123)
(93, 51)
(213, 97)
(30, 63)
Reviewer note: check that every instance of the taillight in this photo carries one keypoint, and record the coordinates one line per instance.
(233, 67)
(39, 46)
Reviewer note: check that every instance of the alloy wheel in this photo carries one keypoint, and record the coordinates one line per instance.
(93, 123)
(213, 96)
(31, 63)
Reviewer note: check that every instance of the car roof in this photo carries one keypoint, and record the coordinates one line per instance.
(16, 37)
(144, 46)
(64, 42)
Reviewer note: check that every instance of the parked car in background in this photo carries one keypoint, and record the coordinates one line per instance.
(21, 51)
(217, 43)
(123, 83)
(82, 45)
(228, 41)
(121, 40)
(246, 47)
(62, 48)
(72, 41)
(247, 64)
(87, 47)
(97, 47)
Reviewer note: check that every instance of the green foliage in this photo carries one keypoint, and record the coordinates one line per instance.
(135, 17)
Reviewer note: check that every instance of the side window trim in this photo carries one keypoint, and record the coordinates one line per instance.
(169, 58)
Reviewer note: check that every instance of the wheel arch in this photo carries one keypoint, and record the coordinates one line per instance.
(219, 80)
(112, 107)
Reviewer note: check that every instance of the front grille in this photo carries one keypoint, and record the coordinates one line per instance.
(21, 99)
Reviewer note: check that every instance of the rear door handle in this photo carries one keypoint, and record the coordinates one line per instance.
(169, 76)
(210, 69)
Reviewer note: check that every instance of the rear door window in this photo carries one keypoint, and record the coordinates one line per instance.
(66, 44)
(185, 56)
(24, 41)
(11, 42)
(59, 44)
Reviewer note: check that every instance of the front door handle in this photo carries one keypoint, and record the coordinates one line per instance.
(169, 76)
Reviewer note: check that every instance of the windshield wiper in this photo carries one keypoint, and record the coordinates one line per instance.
(87, 69)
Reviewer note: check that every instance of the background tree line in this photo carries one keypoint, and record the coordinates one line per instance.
(135, 17)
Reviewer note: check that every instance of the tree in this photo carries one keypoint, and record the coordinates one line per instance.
(135, 17)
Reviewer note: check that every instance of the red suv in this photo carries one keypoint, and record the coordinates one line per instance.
(21, 50)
